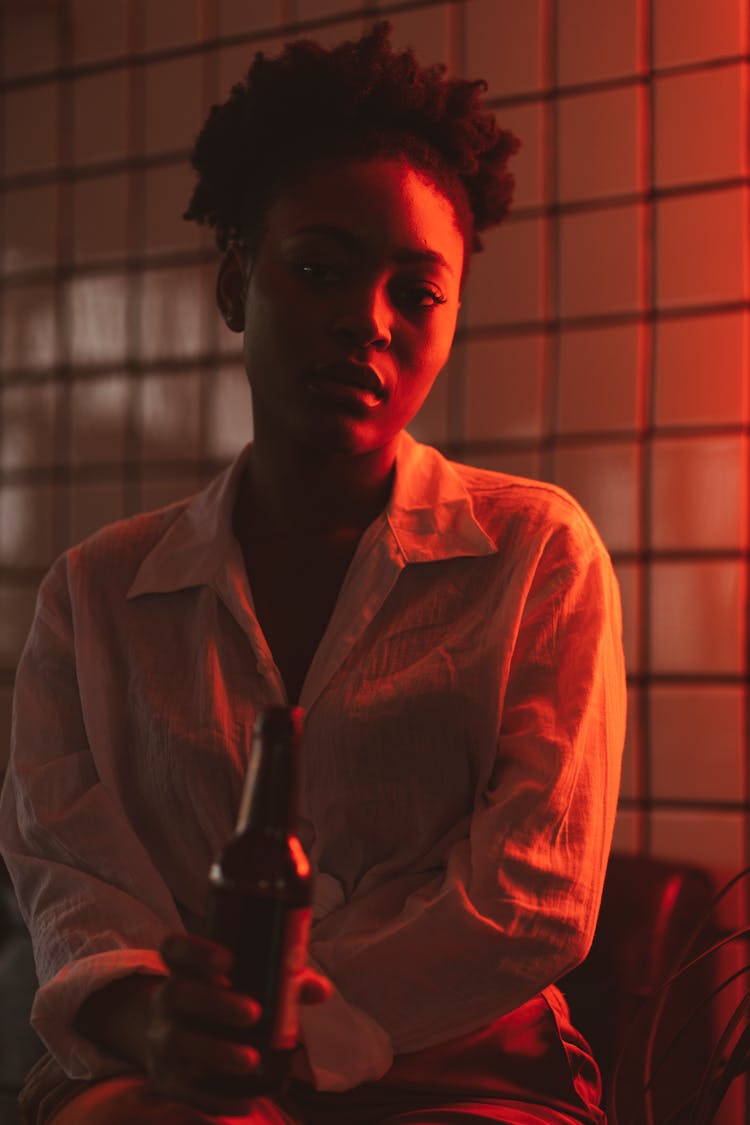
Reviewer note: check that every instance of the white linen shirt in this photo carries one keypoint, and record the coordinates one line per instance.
(461, 757)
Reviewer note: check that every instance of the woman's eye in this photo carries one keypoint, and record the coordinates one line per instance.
(422, 296)
(318, 273)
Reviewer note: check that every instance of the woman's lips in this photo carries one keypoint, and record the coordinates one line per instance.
(348, 382)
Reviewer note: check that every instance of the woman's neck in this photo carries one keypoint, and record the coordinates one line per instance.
(311, 494)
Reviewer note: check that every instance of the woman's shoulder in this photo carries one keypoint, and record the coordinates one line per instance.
(509, 505)
(111, 556)
(128, 540)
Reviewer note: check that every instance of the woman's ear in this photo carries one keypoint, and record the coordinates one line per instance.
(230, 287)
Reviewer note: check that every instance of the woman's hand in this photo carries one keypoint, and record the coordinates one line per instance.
(196, 1019)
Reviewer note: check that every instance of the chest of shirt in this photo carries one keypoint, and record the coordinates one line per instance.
(400, 739)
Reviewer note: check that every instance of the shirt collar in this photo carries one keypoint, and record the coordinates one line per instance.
(430, 512)
(200, 541)
(430, 515)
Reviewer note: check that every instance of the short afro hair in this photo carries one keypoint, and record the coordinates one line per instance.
(358, 99)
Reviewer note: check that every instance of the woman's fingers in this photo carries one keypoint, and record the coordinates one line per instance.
(197, 956)
(189, 1066)
(183, 997)
(192, 1041)
(197, 1019)
(196, 1055)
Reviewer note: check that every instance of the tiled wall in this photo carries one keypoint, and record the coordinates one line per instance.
(603, 344)
(606, 348)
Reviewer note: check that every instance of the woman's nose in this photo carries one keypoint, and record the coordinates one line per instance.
(364, 323)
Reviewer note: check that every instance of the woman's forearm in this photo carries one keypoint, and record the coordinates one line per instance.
(116, 1017)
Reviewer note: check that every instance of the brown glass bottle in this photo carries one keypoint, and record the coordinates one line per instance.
(259, 898)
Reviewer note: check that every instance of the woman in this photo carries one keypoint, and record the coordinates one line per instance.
(452, 634)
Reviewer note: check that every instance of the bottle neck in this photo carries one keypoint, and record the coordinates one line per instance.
(269, 799)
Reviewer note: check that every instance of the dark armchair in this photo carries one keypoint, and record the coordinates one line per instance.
(649, 910)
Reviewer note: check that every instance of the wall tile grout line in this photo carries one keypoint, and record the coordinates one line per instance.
(645, 376)
(289, 25)
(745, 463)
(554, 207)
(550, 242)
(132, 469)
(293, 27)
(65, 238)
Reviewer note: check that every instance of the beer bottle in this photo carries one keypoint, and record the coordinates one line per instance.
(259, 899)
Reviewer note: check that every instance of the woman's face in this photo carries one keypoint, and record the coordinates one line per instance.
(350, 304)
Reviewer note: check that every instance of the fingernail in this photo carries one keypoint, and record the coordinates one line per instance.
(254, 1011)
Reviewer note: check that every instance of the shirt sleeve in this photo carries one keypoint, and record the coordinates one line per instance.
(95, 905)
(516, 906)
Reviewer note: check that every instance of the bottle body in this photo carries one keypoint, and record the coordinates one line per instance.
(259, 900)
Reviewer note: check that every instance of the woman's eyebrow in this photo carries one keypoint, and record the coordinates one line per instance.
(407, 255)
(404, 255)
